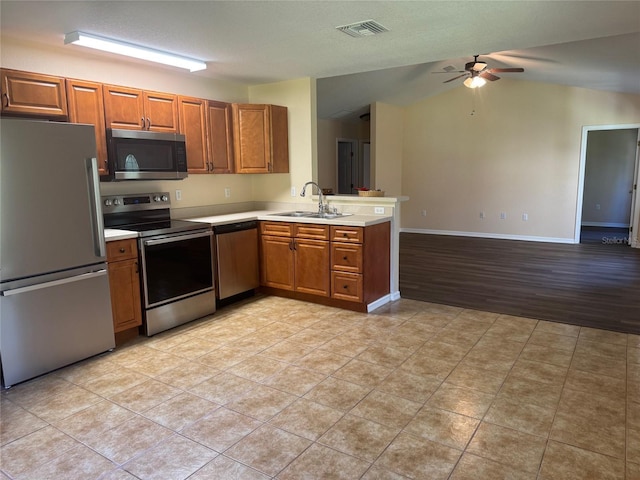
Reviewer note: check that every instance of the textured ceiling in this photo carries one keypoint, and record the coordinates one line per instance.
(595, 44)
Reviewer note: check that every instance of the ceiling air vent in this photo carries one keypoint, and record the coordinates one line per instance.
(366, 28)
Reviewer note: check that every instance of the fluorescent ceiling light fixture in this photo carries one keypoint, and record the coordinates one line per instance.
(474, 82)
(130, 50)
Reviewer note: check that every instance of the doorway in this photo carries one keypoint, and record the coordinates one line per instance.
(348, 166)
(608, 179)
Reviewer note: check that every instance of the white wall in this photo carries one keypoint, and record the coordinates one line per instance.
(299, 96)
(511, 147)
(388, 131)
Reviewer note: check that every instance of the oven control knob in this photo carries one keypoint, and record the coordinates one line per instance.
(156, 198)
(107, 202)
(165, 198)
(117, 201)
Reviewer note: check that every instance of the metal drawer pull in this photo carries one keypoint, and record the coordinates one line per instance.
(122, 250)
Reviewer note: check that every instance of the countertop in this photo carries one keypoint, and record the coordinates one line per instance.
(267, 215)
(112, 234)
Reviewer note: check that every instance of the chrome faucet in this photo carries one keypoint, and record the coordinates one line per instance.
(321, 205)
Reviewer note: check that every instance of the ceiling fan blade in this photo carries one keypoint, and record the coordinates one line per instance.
(505, 70)
(452, 71)
(455, 78)
(488, 76)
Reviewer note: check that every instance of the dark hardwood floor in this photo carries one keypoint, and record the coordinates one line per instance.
(589, 284)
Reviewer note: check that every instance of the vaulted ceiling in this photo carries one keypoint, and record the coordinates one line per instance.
(592, 44)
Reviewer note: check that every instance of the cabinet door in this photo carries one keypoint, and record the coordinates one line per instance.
(279, 139)
(312, 274)
(220, 137)
(277, 262)
(161, 112)
(123, 108)
(86, 105)
(251, 141)
(193, 113)
(125, 294)
(32, 94)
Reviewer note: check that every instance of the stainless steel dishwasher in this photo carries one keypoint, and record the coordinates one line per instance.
(237, 258)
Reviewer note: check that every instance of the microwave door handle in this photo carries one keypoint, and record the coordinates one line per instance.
(97, 222)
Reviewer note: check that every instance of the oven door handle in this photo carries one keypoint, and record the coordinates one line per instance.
(176, 238)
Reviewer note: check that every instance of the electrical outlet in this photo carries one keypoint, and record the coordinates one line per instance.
(597, 206)
(423, 213)
(503, 216)
(378, 210)
(178, 195)
(525, 217)
(482, 215)
(293, 191)
(227, 192)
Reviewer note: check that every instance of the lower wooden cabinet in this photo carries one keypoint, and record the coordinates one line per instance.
(360, 262)
(350, 266)
(295, 257)
(124, 283)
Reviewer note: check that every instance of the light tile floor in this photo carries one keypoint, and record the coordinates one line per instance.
(275, 388)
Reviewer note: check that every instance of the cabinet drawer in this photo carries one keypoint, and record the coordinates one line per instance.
(276, 229)
(346, 286)
(315, 232)
(346, 257)
(121, 250)
(347, 234)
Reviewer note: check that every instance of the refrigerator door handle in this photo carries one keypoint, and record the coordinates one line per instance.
(54, 283)
(97, 221)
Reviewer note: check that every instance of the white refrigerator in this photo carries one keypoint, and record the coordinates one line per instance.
(55, 306)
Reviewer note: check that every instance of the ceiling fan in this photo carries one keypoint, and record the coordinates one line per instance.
(477, 73)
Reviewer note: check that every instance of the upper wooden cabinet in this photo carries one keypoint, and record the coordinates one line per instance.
(134, 109)
(220, 137)
(206, 125)
(86, 105)
(33, 94)
(193, 125)
(260, 138)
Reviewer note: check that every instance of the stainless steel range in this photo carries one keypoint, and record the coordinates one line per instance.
(176, 258)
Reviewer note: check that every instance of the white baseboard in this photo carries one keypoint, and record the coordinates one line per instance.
(395, 296)
(500, 236)
(378, 303)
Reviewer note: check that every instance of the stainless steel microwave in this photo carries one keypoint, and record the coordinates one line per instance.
(144, 155)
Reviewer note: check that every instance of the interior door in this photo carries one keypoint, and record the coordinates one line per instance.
(610, 175)
(633, 240)
(347, 167)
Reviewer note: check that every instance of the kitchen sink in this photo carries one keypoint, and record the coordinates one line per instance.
(303, 214)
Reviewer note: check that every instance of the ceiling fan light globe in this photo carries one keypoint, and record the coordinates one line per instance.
(474, 82)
